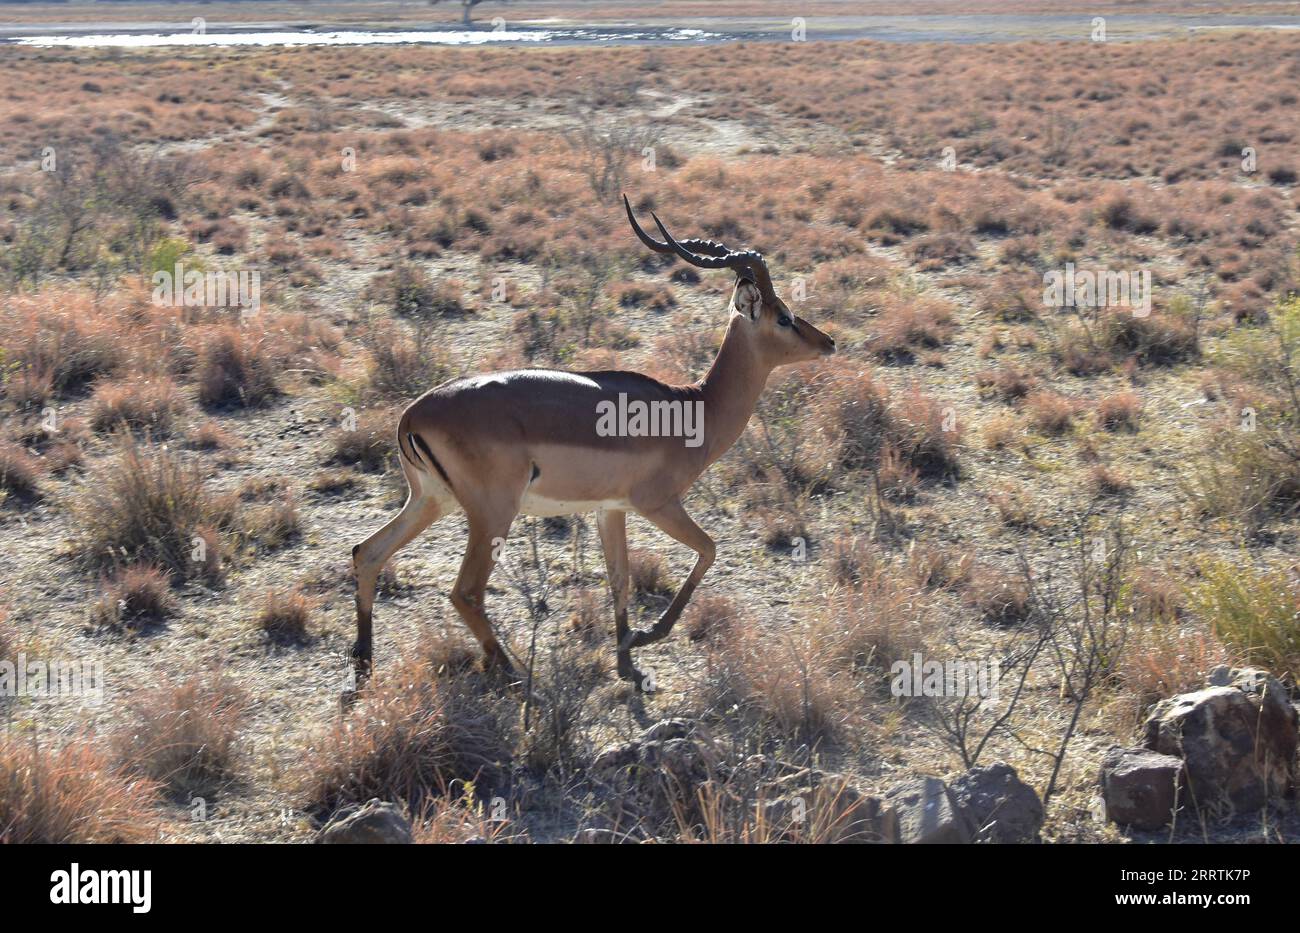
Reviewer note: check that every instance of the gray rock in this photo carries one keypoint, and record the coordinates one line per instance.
(1238, 741)
(825, 807)
(927, 813)
(998, 806)
(375, 823)
(1140, 787)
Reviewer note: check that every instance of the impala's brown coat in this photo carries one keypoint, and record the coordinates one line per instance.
(526, 442)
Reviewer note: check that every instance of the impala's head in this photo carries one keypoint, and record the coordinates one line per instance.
(779, 335)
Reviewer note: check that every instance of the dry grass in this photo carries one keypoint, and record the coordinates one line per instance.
(184, 735)
(152, 507)
(234, 369)
(136, 596)
(146, 406)
(70, 795)
(413, 737)
(18, 473)
(284, 616)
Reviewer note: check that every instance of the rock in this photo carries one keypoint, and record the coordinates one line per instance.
(1238, 741)
(998, 806)
(825, 807)
(377, 822)
(657, 775)
(1140, 787)
(927, 813)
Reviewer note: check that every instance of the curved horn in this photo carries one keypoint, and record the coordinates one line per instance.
(725, 261)
(705, 247)
(641, 235)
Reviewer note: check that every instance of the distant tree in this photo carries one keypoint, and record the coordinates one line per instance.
(466, 7)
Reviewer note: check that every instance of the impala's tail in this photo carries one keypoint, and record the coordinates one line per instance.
(415, 450)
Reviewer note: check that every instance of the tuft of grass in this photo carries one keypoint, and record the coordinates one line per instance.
(70, 795)
(648, 573)
(413, 736)
(234, 369)
(1256, 613)
(284, 616)
(371, 445)
(136, 596)
(146, 406)
(1050, 413)
(18, 472)
(708, 616)
(184, 735)
(151, 507)
(1119, 412)
(1000, 599)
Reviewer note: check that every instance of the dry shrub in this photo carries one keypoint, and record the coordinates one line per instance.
(852, 559)
(1119, 412)
(455, 822)
(58, 341)
(859, 420)
(234, 369)
(648, 573)
(708, 615)
(70, 795)
(782, 680)
(936, 568)
(879, 622)
(152, 507)
(401, 366)
(1248, 476)
(208, 435)
(332, 482)
(409, 291)
(136, 596)
(1163, 658)
(1014, 509)
(588, 614)
(184, 735)
(1050, 413)
(1255, 613)
(284, 616)
(1105, 480)
(909, 325)
(1001, 432)
(370, 445)
(413, 736)
(272, 524)
(147, 406)
(18, 472)
(1008, 382)
(1001, 599)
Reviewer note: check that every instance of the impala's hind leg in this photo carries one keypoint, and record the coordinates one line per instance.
(613, 540)
(370, 556)
(489, 523)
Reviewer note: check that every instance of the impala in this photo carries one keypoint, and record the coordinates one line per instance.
(539, 442)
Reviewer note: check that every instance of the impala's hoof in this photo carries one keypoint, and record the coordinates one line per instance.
(637, 637)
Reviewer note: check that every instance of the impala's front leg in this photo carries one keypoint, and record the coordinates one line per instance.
(612, 526)
(673, 520)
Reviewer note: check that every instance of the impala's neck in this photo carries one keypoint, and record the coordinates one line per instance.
(730, 390)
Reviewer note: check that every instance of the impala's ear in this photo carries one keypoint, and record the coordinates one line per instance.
(747, 299)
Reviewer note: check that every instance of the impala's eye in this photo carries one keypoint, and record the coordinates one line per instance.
(783, 320)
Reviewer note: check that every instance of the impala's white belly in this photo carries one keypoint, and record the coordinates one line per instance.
(542, 507)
